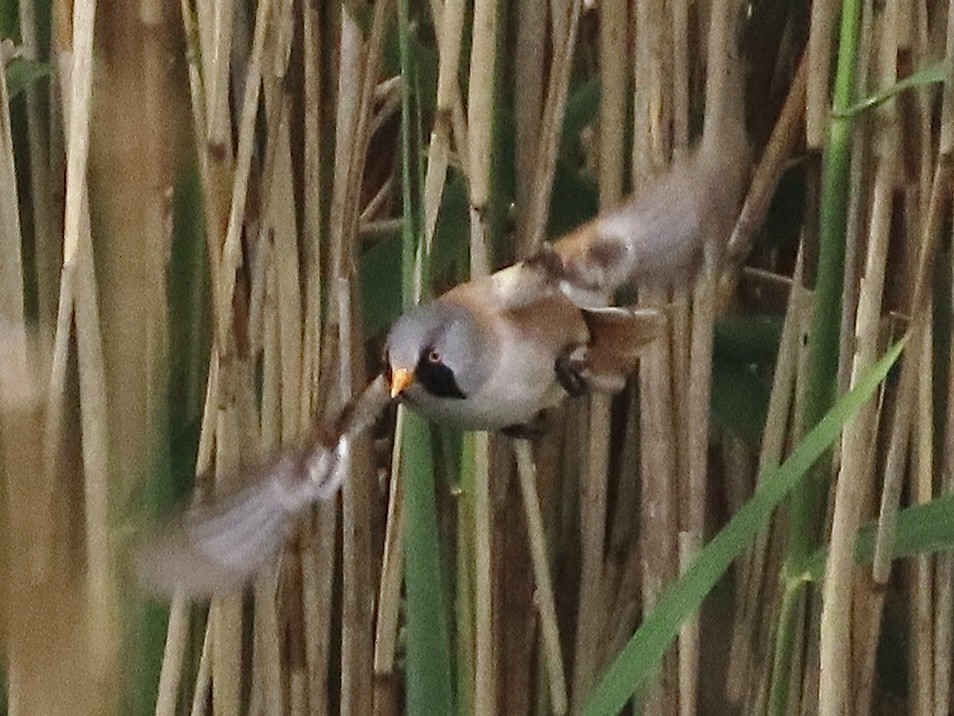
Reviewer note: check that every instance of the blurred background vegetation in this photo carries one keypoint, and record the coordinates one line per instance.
(211, 211)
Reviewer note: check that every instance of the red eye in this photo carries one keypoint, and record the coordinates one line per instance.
(434, 356)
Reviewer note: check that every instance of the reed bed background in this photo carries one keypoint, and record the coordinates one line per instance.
(209, 214)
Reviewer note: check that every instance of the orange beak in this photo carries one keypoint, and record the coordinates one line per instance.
(401, 380)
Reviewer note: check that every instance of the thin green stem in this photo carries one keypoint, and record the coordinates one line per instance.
(429, 681)
(808, 502)
(409, 234)
(788, 615)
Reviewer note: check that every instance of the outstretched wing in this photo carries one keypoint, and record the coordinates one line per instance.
(656, 237)
(218, 547)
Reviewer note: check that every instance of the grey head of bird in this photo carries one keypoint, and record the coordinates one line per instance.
(439, 348)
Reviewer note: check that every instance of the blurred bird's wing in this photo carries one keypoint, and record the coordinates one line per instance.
(654, 238)
(657, 236)
(218, 547)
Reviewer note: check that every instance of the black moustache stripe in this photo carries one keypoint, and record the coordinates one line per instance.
(437, 379)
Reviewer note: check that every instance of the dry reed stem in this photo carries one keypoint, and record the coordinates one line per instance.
(237, 425)
(465, 602)
(922, 584)
(266, 656)
(49, 650)
(225, 617)
(680, 311)
(318, 555)
(681, 88)
(549, 631)
(282, 221)
(774, 437)
(688, 636)
(261, 314)
(78, 272)
(78, 88)
(231, 258)
(944, 577)
(298, 693)
(850, 488)
(680, 344)
(350, 67)
(614, 82)
(435, 178)
(593, 500)
(945, 563)
(312, 207)
(650, 151)
(944, 569)
(480, 110)
(216, 22)
(351, 211)
(770, 168)
(721, 94)
(901, 420)
(389, 594)
(355, 626)
(480, 101)
(485, 660)
(866, 606)
(659, 521)
(693, 520)
(173, 658)
(529, 77)
(357, 79)
(817, 94)
(559, 17)
(614, 36)
(439, 148)
(451, 24)
(197, 103)
(551, 128)
(203, 676)
(718, 115)
(658, 503)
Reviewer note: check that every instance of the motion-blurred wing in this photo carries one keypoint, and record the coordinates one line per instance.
(217, 548)
(656, 237)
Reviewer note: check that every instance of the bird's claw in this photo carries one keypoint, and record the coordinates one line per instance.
(570, 371)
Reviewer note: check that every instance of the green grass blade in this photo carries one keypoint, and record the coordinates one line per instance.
(929, 75)
(428, 648)
(643, 652)
(428, 671)
(921, 529)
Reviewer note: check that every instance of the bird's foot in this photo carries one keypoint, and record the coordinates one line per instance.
(570, 371)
